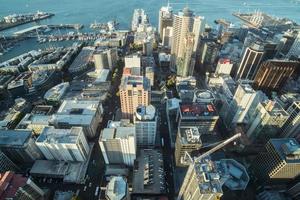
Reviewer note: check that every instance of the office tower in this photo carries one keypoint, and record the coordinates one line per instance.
(207, 178)
(185, 22)
(186, 64)
(244, 102)
(145, 120)
(272, 74)
(224, 66)
(84, 113)
(167, 37)
(209, 53)
(118, 143)
(139, 18)
(63, 144)
(186, 87)
(250, 61)
(147, 47)
(105, 58)
(133, 65)
(16, 186)
(187, 140)
(266, 121)
(280, 160)
(165, 19)
(6, 164)
(149, 74)
(295, 48)
(134, 91)
(117, 189)
(202, 115)
(291, 128)
(19, 147)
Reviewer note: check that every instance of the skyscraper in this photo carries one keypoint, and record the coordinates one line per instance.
(184, 23)
(295, 48)
(250, 62)
(165, 19)
(134, 91)
(207, 178)
(118, 143)
(139, 18)
(280, 160)
(6, 164)
(272, 74)
(187, 140)
(145, 120)
(266, 121)
(291, 127)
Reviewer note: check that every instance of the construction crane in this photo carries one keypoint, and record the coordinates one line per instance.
(201, 157)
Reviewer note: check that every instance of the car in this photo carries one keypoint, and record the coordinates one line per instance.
(90, 184)
(84, 189)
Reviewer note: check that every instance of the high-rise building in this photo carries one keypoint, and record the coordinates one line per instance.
(6, 164)
(19, 147)
(184, 23)
(207, 178)
(139, 18)
(187, 140)
(291, 128)
(209, 52)
(145, 120)
(16, 186)
(244, 102)
(272, 74)
(117, 189)
(266, 121)
(105, 58)
(224, 66)
(250, 61)
(186, 64)
(118, 143)
(133, 64)
(204, 116)
(280, 160)
(165, 19)
(134, 91)
(63, 144)
(84, 113)
(167, 37)
(147, 47)
(149, 74)
(295, 48)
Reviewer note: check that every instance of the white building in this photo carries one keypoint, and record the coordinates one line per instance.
(133, 63)
(84, 113)
(63, 144)
(165, 19)
(105, 58)
(118, 143)
(244, 103)
(167, 37)
(139, 18)
(145, 121)
(224, 66)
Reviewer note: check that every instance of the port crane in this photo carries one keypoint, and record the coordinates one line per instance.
(192, 161)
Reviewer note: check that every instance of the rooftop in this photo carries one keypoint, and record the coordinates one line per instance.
(287, 148)
(78, 107)
(144, 113)
(189, 135)
(134, 81)
(10, 138)
(197, 110)
(62, 136)
(33, 119)
(274, 108)
(57, 91)
(10, 183)
(116, 188)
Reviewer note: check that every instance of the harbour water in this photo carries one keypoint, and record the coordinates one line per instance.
(88, 11)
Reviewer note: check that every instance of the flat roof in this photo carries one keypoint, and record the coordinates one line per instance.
(14, 137)
(78, 107)
(134, 81)
(190, 135)
(62, 136)
(73, 119)
(197, 110)
(287, 148)
(116, 188)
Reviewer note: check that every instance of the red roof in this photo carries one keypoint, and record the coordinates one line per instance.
(10, 183)
(224, 61)
(127, 71)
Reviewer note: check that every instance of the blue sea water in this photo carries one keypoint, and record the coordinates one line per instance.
(88, 11)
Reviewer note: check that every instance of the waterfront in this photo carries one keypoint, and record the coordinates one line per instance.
(79, 11)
